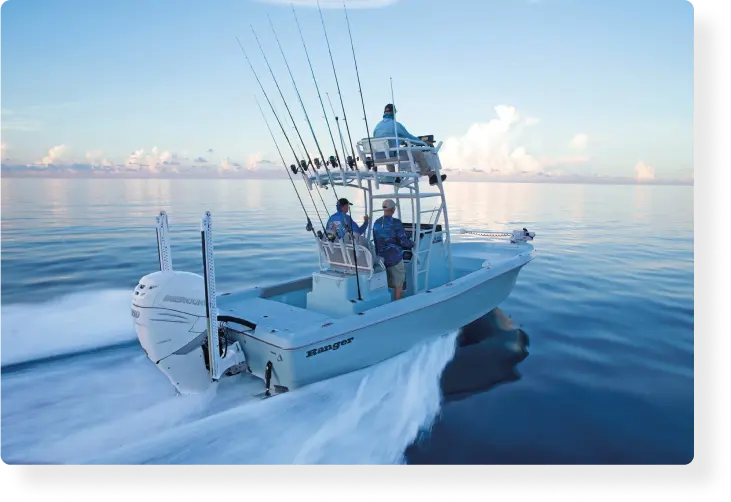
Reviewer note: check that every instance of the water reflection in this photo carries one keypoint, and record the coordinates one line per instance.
(642, 203)
(492, 205)
(488, 351)
(487, 354)
(253, 197)
(577, 202)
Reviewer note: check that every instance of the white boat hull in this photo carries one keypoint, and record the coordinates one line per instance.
(272, 326)
(377, 336)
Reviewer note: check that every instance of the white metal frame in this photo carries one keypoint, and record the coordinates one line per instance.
(217, 366)
(327, 250)
(379, 150)
(210, 286)
(163, 243)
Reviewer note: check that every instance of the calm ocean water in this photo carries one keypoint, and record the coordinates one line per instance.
(607, 307)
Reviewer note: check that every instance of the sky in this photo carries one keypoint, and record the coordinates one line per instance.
(544, 89)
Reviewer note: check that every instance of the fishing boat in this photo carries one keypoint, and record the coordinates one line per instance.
(343, 316)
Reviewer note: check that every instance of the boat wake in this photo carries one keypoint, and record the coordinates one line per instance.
(65, 326)
(113, 406)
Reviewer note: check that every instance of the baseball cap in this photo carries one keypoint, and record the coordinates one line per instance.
(388, 108)
(344, 201)
(388, 204)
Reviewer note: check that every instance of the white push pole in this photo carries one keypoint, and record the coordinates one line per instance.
(163, 244)
(209, 276)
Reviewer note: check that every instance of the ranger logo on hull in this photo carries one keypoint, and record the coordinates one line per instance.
(325, 348)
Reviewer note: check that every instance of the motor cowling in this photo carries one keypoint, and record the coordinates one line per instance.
(169, 311)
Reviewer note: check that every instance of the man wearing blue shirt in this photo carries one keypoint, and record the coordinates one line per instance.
(391, 239)
(340, 223)
(388, 127)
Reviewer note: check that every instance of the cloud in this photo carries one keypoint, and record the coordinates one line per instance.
(257, 162)
(252, 160)
(492, 147)
(579, 141)
(334, 4)
(644, 172)
(54, 156)
(152, 162)
(96, 158)
(225, 166)
(3, 149)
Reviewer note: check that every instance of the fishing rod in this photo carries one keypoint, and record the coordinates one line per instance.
(309, 223)
(300, 167)
(337, 83)
(302, 164)
(340, 132)
(307, 117)
(324, 113)
(360, 90)
(297, 145)
(352, 236)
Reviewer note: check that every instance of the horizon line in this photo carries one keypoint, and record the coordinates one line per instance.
(566, 180)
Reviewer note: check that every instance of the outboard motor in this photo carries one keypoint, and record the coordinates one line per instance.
(169, 311)
(176, 319)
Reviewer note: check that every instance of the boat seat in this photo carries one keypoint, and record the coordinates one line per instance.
(382, 151)
(339, 255)
(402, 156)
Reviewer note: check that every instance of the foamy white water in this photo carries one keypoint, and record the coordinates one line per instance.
(66, 325)
(116, 407)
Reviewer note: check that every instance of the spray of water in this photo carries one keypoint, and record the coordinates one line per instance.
(115, 407)
(65, 325)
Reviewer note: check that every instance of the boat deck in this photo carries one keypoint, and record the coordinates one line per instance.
(278, 314)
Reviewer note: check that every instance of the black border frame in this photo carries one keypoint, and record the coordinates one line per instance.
(705, 475)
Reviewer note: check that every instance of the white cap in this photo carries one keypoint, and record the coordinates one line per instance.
(388, 204)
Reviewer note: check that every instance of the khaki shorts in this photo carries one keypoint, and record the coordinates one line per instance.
(396, 275)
